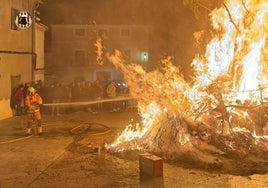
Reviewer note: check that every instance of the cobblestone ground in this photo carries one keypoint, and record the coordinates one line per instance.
(67, 156)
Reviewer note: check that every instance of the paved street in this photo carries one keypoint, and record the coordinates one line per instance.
(62, 157)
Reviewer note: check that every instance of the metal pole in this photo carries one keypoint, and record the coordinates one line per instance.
(34, 57)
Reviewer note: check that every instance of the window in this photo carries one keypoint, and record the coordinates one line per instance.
(103, 33)
(79, 58)
(79, 32)
(125, 32)
(13, 16)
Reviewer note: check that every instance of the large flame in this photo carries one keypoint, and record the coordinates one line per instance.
(234, 67)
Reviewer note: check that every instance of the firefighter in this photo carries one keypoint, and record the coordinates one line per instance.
(32, 102)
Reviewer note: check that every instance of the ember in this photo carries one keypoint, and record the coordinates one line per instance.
(224, 106)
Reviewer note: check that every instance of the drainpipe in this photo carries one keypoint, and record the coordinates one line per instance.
(17, 52)
(33, 40)
(34, 12)
(33, 46)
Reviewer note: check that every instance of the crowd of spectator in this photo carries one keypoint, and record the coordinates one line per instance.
(74, 92)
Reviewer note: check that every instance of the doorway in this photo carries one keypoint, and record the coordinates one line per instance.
(15, 81)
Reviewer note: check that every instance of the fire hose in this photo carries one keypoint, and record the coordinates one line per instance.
(15, 140)
(87, 126)
(89, 102)
(72, 131)
(80, 125)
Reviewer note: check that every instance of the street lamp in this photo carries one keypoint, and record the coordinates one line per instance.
(144, 56)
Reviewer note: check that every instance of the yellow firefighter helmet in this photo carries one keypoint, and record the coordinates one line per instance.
(31, 90)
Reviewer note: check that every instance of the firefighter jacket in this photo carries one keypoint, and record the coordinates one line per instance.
(33, 102)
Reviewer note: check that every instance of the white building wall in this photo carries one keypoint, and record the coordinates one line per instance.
(12, 63)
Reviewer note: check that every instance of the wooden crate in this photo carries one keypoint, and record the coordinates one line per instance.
(150, 165)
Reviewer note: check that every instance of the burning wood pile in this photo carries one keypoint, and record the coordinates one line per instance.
(223, 112)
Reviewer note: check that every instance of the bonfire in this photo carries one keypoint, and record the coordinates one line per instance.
(222, 113)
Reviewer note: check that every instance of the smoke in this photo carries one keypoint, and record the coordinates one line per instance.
(173, 24)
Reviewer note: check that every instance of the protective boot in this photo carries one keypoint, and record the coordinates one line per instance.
(28, 131)
(40, 130)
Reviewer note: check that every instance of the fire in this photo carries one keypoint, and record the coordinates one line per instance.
(135, 131)
(239, 49)
(233, 69)
(99, 51)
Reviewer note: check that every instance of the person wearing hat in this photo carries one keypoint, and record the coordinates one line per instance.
(32, 102)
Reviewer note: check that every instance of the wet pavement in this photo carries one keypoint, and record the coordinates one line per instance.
(66, 156)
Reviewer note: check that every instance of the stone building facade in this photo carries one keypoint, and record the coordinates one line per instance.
(73, 51)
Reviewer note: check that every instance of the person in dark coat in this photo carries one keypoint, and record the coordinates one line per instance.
(19, 100)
